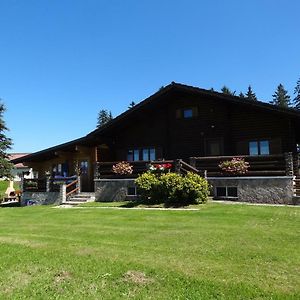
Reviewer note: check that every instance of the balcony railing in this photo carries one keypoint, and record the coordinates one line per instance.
(262, 165)
(46, 184)
(104, 169)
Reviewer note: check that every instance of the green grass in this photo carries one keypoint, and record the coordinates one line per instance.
(218, 252)
(3, 187)
(136, 204)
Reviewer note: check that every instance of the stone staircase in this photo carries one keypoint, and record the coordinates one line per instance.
(80, 198)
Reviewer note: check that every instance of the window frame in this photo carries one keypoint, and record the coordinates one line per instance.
(259, 147)
(142, 153)
(227, 196)
(180, 112)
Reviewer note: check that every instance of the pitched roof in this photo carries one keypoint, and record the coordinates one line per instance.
(13, 156)
(196, 91)
(151, 99)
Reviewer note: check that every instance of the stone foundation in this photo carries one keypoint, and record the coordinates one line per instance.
(41, 198)
(275, 189)
(109, 190)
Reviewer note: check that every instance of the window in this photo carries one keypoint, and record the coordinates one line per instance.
(84, 167)
(133, 155)
(226, 192)
(145, 154)
(149, 154)
(187, 113)
(259, 148)
(131, 191)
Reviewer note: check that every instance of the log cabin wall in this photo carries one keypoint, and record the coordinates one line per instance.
(162, 125)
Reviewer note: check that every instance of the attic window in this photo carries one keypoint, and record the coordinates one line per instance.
(187, 113)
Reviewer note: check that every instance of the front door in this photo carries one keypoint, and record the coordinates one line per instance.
(84, 176)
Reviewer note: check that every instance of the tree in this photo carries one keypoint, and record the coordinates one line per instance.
(250, 95)
(5, 144)
(281, 97)
(227, 91)
(296, 100)
(104, 116)
(241, 95)
(131, 104)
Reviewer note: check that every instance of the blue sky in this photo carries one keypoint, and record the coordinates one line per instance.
(61, 61)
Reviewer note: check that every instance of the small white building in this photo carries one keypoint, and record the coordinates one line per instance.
(20, 169)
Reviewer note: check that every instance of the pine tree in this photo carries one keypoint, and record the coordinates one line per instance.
(104, 116)
(227, 91)
(281, 97)
(5, 144)
(241, 95)
(296, 100)
(131, 104)
(250, 95)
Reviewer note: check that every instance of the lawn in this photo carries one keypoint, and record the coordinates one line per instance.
(218, 252)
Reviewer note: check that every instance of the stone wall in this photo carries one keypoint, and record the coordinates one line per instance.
(276, 190)
(109, 190)
(41, 198)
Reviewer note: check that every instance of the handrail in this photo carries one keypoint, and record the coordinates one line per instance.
(193, 169)
(72, 192)
(72, 183)
(75, 182)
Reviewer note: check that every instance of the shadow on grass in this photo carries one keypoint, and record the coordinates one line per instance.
(142, 203)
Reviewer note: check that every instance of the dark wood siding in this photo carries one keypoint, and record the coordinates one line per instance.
(161, 125)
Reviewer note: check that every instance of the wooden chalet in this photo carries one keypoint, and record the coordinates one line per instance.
(200, 127)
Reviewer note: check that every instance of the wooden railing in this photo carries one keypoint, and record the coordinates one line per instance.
(262, 165)
(72, 188)
(104, 169)
(55, 183)
(46, 184)
(35, 185)
(184, 168)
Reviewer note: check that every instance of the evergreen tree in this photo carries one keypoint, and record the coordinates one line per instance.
(250, 95)
(297, 95)
(281, 97)
(5, 144)
(104, 116)
(241, 95)
(131, 104)
(227, 91)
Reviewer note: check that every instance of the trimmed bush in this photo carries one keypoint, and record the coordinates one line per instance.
(148, 186)
(172, 189)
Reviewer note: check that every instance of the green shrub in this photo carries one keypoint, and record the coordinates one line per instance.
(172, 189)
(148, 186)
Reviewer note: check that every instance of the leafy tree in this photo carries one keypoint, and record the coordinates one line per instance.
(5, 144)
(227, 91)
(104, 116)
(250, 95)
(297, 95)
(131, 104)
(281, 97)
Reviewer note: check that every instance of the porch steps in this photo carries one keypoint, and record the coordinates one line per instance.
(79, 199)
